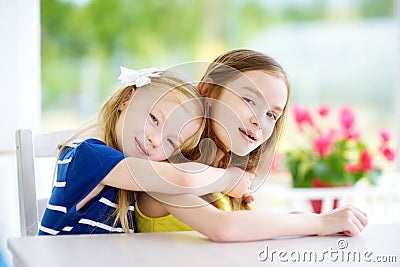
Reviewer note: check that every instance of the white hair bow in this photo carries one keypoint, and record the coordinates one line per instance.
(138, 78)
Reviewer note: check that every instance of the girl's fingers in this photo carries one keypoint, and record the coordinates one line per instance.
(357, 223)
(360, 215)
(350, 220)
(248, 198)
(351, 229)
(360, 211)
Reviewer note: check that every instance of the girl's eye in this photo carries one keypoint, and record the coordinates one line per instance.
(248, 100)
(154, 119)
(271, 115)
(172, 143)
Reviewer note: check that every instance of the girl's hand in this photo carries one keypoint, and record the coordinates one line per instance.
(240, 187)
(248, 199)
(347, 219)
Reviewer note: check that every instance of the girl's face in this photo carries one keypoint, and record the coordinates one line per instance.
(245, 114)
(152, 125)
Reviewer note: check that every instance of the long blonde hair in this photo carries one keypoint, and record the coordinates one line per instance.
(223, 69)
(107, 120)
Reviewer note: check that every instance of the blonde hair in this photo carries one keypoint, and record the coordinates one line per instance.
(108, 117)
(223, 69)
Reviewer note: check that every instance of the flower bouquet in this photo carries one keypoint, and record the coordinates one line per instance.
(334, 156)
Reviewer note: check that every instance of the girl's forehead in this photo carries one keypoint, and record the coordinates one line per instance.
(176, 104)
(163, 92)
(271, 89)
(166, 102)
(170, 99)
(154, 94)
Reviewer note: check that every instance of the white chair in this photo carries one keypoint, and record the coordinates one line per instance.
(29, 147)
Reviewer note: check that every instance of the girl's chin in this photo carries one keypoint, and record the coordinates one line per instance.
(241, 152)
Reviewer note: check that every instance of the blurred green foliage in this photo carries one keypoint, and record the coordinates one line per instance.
(105, 34)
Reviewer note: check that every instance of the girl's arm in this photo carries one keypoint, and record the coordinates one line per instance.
(137, 174)
(249, 225)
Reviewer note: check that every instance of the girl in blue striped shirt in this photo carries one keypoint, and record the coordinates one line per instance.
(141, 125)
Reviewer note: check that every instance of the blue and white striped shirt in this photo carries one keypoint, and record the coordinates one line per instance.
(80, 170)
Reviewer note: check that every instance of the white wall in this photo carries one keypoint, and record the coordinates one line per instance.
(19, 101)
(19, 68)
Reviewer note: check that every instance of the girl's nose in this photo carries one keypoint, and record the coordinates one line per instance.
(255, 122)
(153, 141)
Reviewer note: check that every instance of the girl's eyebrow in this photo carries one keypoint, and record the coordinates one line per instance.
(253, 90)
(258, 93)
(278, 109)
(161, 113)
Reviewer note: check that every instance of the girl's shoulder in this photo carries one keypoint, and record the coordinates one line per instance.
(91, 148)
(71, 148)
(90, 158)
(96, 147)
(92, 141)
(91, 144)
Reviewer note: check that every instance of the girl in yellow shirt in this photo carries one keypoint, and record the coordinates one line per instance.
(246, 94)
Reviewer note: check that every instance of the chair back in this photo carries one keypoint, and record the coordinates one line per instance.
(29, 147)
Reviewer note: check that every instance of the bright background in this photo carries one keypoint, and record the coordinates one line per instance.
(60, 59)
(336, 52)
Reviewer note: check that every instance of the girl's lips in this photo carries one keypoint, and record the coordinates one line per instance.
(247, 135)
(142, 150)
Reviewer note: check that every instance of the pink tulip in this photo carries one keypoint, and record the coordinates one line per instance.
(324, 111)
(366, 161)
(302, 116)
(388, 153)
(385, 134)
(364, 165)
(347, 117)
(322, 144)
(351, 134)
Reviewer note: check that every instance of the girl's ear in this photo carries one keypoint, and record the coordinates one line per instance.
(204, 86)
(124, 103)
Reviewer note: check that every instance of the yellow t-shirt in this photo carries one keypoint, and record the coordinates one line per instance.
(166, 223)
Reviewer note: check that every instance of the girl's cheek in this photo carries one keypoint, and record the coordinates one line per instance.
(268, 130)
(166, 150)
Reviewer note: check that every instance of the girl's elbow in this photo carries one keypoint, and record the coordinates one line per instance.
(219, 236)
(223, 231)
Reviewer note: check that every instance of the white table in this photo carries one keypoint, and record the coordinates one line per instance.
(193, 249)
